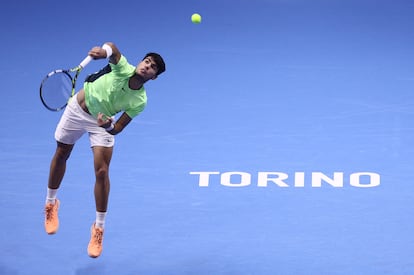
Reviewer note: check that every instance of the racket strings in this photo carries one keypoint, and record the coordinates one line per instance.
(56, 89)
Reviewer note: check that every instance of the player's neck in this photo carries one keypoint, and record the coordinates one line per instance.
(136, 82)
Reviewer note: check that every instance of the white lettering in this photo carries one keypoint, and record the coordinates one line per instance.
(299, 179)
(245, 179)
(204, 179)
(355, 179)
(263, 178)
(280, 179)
(336, 181)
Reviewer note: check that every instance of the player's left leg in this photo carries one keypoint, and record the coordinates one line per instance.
(102, 158)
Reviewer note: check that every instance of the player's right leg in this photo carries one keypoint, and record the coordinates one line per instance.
(68, 131)
(57, 171)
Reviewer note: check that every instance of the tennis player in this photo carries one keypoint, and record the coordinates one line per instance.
(118, 87)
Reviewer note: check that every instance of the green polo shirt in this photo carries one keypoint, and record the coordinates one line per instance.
(110, 93)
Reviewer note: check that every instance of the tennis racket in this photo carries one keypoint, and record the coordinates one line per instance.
(59, 86)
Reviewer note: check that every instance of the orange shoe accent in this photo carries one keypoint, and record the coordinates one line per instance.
(95, 244)
(51, 217)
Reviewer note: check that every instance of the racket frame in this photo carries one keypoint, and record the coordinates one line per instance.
(75, 70)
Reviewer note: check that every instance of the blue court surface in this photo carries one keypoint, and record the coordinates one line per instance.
(278, 141)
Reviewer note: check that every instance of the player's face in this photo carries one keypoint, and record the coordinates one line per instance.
(147, 68)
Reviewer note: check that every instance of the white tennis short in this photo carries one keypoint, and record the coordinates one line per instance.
(75, 122)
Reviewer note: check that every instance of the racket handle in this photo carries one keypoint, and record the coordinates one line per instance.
(85, 61)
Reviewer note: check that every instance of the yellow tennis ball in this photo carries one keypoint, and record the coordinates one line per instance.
(196, 18)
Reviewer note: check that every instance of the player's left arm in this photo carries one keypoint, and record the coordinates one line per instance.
(120, 124)
(111, 126)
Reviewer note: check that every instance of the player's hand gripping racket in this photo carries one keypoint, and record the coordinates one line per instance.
(59, 86)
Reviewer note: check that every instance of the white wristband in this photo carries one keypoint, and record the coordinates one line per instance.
(110, 128)
(108, 50)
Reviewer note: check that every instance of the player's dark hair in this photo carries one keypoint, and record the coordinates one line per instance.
(158, 60)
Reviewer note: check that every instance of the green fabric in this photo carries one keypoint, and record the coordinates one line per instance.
(110, 93)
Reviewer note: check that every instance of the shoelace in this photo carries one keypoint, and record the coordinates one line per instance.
(48, 211)
(98, 236)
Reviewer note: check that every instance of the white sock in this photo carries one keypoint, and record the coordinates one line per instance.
(100, 219)
(51, 196)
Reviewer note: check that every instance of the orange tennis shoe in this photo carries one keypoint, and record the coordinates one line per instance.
(95, 244)
(51, 217)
